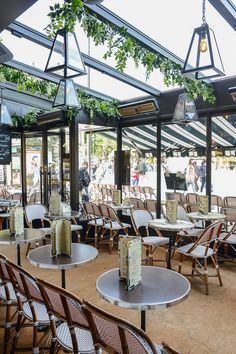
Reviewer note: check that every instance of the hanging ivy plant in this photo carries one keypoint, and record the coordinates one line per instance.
(92, 106)
(122, 47)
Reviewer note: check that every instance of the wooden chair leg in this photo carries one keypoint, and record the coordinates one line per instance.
(180, 263)
(110, 241)
(206, 276)
(193, 266)
(215, 262)
(151, 256)
(28, 249)
(78, 236)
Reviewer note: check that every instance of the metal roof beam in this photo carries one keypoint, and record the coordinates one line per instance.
(20, 29)
(226, 9)
(105, 14)
(45, 76)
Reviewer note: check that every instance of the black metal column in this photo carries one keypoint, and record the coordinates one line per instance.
(119, 164)
(158, 142)
(74, 165)
(62, 149)
(45, 168)
(208, 159)
(23, 170)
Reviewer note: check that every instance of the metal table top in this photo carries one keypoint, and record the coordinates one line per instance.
(29, 235)
(81, 254)
(207, 217)
(162, 224)
(160, 288)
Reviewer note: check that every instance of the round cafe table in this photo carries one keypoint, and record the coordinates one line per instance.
(162, 224)
(80, 254)
(211, 216)
(29, 235)
(160, 288)
(66, 215)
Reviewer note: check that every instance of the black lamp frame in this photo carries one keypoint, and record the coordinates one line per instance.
(202, 31)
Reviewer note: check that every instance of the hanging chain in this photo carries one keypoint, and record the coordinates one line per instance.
(204, 11)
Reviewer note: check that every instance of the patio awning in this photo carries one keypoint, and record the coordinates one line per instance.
(176, 136)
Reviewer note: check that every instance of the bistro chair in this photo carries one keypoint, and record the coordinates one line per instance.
(151, 205)
(117, 336)
(192, 198)
(112, 223)
(229, 239)
(201, 250)
(95, 220)
(31, 313)
(216, 203)
(74, 225)
(137, 203)
(140, 219)
(149, 192)
(229, 202)
(230, 214)
(180, 197)
(73, 334)
(7, 300)
(34, 217)
(185, 235)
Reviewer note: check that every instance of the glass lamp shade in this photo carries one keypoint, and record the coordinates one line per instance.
(232, 91)
(185, 110)
(66, 95)
(5, 117)
(203, 55)
(65, 59)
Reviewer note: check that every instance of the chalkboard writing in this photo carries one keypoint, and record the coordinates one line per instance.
(5, 148)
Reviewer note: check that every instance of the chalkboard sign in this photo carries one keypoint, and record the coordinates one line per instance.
(175, 181)
(5, 148)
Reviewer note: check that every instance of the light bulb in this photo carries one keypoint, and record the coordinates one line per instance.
(203, 45)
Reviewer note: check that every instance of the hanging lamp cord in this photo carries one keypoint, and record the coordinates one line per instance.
(203, 11)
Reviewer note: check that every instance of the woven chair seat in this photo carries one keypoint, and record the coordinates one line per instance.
(155, 240)
(198, 252)
(190, 233)
(97, 222)
(84, 339)
(47, 230)
(41, 312)
(11, 292)
(116, 226)
(231, 239)
(75, 227)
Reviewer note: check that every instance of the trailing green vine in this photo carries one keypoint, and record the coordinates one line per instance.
(122, 47)
(92, 106)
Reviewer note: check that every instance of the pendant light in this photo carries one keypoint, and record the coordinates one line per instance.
(5, 117)
(185, 110)
(203, 56)
(65, 61)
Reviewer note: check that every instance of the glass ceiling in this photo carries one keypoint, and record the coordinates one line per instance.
(169, 22)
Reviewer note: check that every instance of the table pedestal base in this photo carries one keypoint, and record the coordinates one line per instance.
(63, 278)
(143, 320)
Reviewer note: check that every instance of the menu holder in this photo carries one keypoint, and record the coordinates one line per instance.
(129, 258)
(16, 221)
(116, 197)
(203, 204)
(171, 211)
(55, 204)
(126, 201)
(61, 237)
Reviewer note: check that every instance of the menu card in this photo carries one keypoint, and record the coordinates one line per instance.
(55, 204)
(203, 204)
(61, 237)
(129, 258)
(126, 201)
(171, 211)
(116, 198)
(17, 221)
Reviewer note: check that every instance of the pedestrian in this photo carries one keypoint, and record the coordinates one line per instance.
(84, 180)
(202, 175)
(135, 175)
(191, 175)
